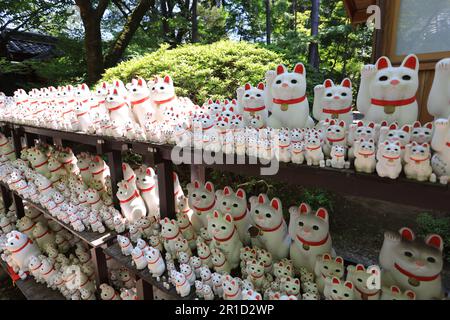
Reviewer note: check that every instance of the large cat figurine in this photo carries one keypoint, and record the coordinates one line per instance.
(202, 200)
(268, 222)
(411, 264)
(310, 235)
(441, 145)
(286, 98)
(251, 102)
(333, 101)
(389, 93)
(439, 98)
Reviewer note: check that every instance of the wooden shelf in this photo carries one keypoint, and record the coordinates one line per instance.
(33, 290)
(93, 239)
(115, 252)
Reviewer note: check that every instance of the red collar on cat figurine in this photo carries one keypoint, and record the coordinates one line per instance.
(366, 295)
(272, 229)
(290, 101)
(134, 195)
(164, 101)
(242, 216)
(418, 278)
(227, 238)
(255, 109)
(118, 107)
(24, 245)
(207, 208)
(448, 144)
(232, 295)
(395, 103)
(343, 111)
(134, 103)
(312, 243)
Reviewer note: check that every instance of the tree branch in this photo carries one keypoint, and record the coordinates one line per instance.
(101, 7)
(129, 29)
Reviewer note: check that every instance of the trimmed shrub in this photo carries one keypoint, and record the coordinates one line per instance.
(202, 71)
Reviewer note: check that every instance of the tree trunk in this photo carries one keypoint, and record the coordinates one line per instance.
(314, 46)
(92, 38)
(194, 21)
(129, 29)
(268, 23)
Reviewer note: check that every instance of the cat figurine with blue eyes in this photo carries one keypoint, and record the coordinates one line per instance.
(389, 93)
(269, 230)
(286, 98)
(412, 264)
(310, 236)
(333, 101)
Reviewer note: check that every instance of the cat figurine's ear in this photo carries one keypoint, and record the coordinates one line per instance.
(299, 68)
(304, 208)
(435, 241)
(281, 69)
(276, 204)
(209, 186)
(261, 86)
(383, 63)
(411, 62)
(347, 83)
(322, 213)
(328, 83)
(240, 193)
(247, 86)
(407, 234)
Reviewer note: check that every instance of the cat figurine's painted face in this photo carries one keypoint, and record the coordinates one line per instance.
(337, 97)
(420, 152)
(255, 268)
(247, 254)
(367, 148)
(169, 228)
(289, 85)
(232, 203)
(309, 226)
(391, 83)
(214, 108)
(336, 131)
(291, 286)
(340, 290)
(365, 131)
(421, 134)
(201, 196)
(359, 276)
(327, 267)
(390, 151)
(403, 135)
(253, 96)
(161, 89)
(220, 226)
(282, 270)
(394, 293)
(265, 214)
(138, 89)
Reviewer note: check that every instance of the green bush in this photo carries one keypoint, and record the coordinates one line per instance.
(441, 226)
(202, 71)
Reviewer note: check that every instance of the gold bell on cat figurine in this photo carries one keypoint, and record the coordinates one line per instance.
(284, 107)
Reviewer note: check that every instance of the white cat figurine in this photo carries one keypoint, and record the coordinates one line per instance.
(439, 98)
(389, 160)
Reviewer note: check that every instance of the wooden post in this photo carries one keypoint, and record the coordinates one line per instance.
(6, 196)
(165, 189)
(100, 266)
(30, 139)
(115, 168)
(17, 142)
(144, 290)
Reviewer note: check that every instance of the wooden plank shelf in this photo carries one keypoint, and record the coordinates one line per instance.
(115, 253)
(33, 290)
(93, 239)
(344, 182)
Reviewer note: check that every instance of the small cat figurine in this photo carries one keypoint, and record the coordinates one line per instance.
(326, 268)
(333, 101)
(339, 290)
(394, 293)
(365, 159)
(411, 264)
(202, 200)
(310, 235)
(389, 160)
(418, 165)
(314, 154)
(359, 276)
(251, 102)
(421, 134)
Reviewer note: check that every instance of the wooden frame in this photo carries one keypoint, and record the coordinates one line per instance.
(392, 18)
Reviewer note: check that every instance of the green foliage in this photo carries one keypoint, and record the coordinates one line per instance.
(212, 24)
(202, 71)
(429, 224)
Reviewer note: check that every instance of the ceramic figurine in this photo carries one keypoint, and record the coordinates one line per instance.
(187, 230)
(286, 98)
(171, 234)
(139, 95)
(365, 159)
(282, 270)
(247, 254)
(297, 152)
(98, 169)
(256, 271)
(313, 151)
(202, 200)
(217, 284)
(389, 160)
(251, 102)
(417, 158)
(439, 98)
(204, 253)
(411, 264)
(251, 295)
(219, 261)
(155, 262)
(138, 258)
(21, 249)
(231, 288)
(225, 237)
(162, 94)
(235, 204)
(208, 293)
(195, 263)
(389, 93)
(265, 257)
(335, 134)
(338, 158)
(394, 293)
(131, 203)
(108, 293)
(125, 245)
(199, 289)
(395, 134)
(310, 235)
(290, 287)
(326, 268)
(358, 132)
(421, 134)
(146, 182)
(359, 276)
(333, 101)
(269, 226)
(441, 145)
(42, 235)
(181, 245)
(206, 275)
(339, 290)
